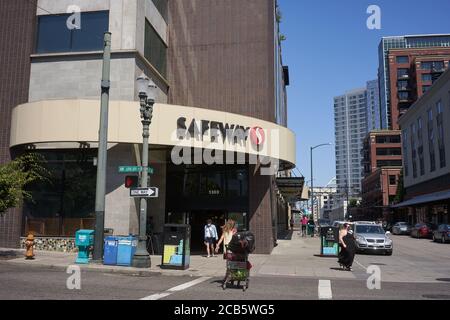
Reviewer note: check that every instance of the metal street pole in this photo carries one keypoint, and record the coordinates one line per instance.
(102, 152)
(141, 258)
(312, 177)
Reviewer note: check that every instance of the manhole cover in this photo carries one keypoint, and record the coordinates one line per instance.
(437, 296)
(443, 279)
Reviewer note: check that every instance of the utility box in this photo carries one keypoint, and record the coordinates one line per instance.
(110, 251)
(176, 246)
(84, 240)
(126, 247)
(329, 241)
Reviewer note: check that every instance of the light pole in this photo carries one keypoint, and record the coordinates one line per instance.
(312, 175)
(147, 92)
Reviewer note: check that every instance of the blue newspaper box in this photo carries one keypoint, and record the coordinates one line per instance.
(125, 250)
(110, 251)
(84, 240)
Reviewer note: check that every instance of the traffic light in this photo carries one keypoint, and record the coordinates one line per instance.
(131, 182)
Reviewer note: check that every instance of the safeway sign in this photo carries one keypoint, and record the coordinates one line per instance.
(151, 192)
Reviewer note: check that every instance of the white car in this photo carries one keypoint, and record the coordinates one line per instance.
(373, 238)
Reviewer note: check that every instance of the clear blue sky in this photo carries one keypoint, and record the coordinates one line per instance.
(329, 50)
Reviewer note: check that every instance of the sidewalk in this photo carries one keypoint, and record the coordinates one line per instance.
(294, 257)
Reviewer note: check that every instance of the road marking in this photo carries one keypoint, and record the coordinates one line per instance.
(325, 290)
(181, 287)
(188, 284)
(359, 264)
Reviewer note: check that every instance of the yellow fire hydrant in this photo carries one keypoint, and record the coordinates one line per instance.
(29, 246)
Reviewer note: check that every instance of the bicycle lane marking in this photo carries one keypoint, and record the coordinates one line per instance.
(181, 287)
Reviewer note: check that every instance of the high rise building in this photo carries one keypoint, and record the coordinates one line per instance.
(373, 106)
(431, 42)
(350, 121)
(221, 94)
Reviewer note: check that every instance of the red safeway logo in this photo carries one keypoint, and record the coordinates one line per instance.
(257, 136)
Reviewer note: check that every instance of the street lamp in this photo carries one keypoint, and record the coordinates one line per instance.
(147, 92)
(312, 175)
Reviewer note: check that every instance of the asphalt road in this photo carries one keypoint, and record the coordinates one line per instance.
(415, 271)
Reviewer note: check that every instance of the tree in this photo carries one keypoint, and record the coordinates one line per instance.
(16, 175)
(400, 189)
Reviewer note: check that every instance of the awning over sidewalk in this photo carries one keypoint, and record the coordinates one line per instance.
(292, 188)
(427, 198)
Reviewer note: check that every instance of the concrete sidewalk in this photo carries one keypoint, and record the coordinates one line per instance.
(295, 257)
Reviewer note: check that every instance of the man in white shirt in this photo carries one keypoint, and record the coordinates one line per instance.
(210, 236)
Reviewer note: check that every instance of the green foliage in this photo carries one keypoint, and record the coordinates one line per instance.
(16, 175)
(400, 189)
(353, 203)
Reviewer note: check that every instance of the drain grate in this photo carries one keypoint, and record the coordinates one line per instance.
(437, 296)
(443, 279)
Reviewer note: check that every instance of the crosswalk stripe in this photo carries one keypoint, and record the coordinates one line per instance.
(181, 287)
(325, 290)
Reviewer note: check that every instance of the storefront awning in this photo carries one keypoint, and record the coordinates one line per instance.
(292, 188)
(428, 198)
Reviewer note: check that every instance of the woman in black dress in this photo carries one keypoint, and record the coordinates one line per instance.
(348, 248)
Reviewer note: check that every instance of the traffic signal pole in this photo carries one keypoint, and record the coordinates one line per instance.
(102, 152)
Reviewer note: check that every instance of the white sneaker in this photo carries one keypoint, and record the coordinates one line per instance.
(208, 256)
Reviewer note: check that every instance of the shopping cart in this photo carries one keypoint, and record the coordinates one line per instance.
(238, 270)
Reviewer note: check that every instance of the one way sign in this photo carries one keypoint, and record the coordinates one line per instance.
(151, 192)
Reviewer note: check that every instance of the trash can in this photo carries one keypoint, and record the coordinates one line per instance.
(110, 251)
(84, 240)
(176, 246)
(329, 241)
(126, 247)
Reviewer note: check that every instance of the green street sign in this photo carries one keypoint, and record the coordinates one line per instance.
(134, 169)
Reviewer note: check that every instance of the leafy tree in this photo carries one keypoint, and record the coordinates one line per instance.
(400, 189)
(16, 175)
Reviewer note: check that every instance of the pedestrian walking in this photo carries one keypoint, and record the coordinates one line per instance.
(347, 244)
(304, 224)
(291, 222)
(228, 230)
(311, 226)
(211, 237)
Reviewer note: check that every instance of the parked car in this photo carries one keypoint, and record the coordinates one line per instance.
(423, 230)
(401, 228)
(442, 233)
(372, 238)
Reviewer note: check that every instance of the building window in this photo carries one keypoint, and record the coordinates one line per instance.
(441, 138)
(413, 150)
(402, 59)
(54, 36)
(425, 89)
(427, 77)
(405, 152)
(402, 73)
(431, 140)
(403, 96)
(392, 180)
(402, 84)
(420, 143)
(155, 50)
(162, 7)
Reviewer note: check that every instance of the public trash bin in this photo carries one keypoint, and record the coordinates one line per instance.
(176, 246)
(126, 247)
(329, 241)
(84, 240)
(110, 251)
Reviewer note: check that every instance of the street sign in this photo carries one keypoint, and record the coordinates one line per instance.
(134, 169)
(151, 192)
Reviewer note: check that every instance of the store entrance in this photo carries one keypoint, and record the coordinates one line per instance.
(197, 219)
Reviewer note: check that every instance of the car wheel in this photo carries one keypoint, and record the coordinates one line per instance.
(389, 253)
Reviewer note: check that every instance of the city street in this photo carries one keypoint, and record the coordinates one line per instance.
(418, 269)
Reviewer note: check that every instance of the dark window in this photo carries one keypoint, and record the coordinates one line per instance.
(402, 73)
(54, 36)
(402, 84)
(441, 138)
(426, 65)
(161, 5)
(431, 140)
(427, 77)
(402, 59)
(414, 150)
(402, 96)
(405, 152)
(392, 180)
(387, 139)
(155, 50)
(389, 151)
(389, 163)
(425, 88)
